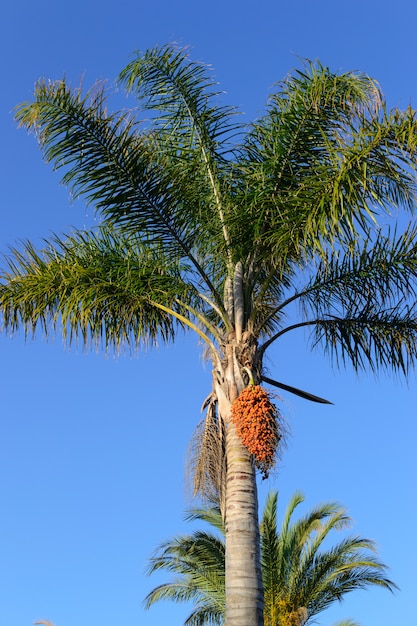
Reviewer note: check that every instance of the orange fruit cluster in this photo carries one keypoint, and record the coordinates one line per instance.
(256, 421)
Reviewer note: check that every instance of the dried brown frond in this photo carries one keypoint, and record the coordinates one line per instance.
(206, 458)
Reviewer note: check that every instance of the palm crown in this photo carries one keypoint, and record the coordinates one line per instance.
(301, 576)
(222, 229)
(218, 223)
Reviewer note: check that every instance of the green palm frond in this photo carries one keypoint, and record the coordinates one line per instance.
(324, 158)
(370, 339)
(193, 134)
(104, 156)
(360, 303)
(345, 568)
(100, 286)
(271, 552)
(116, 164)
(210, 515)
(199, 560)
(297, 538)
(378, 272)
(306, 576)
(300, 575)
(204, 617)
(185, 98)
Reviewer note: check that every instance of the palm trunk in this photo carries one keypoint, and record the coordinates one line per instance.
(244, 592)
(244, 589)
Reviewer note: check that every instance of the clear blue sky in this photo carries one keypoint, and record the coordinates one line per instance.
(92, 447)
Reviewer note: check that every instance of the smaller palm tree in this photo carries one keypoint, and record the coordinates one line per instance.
(301, 577)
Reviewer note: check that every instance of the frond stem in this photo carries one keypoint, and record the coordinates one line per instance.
(267, 343)
(215, 308)
(197, 127)
(185, 321)
(212, 329)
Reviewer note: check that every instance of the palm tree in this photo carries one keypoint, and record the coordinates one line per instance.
(220, 229)
(301, 576)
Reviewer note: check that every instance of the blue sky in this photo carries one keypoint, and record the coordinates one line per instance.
(92, 447)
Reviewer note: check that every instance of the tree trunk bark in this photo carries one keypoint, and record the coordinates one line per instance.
(244, 592)
(244, 589)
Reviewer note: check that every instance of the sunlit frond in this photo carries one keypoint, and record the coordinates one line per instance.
(193, 134)
(116, 164)
(184, 96)
(301, 575)
(98, 286)
(360, 303)
(323, 160)
(198, 564)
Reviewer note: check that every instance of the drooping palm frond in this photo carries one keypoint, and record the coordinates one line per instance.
(105, 157)
(382, 270)
(347, 567)
(100, 286)
(206, 458)
(116, 165)
(360, 303)
(368, 339)
(199, 562)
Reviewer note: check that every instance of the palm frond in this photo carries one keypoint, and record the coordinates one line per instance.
(301, 576)
(114, 162)
(204, 617)
(371, 340)
(105, 156)
(100, 287)
(324, 158)
(348, 566)
(199, 560)
(271, 553)
(377, 272)
(193, 131)
(360, 304)
(208, 514)
(185, 97)
(304, 575)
